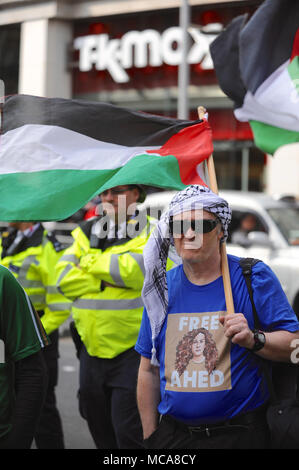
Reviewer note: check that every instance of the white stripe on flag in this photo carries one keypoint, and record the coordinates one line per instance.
(34, 147)
(278, 89)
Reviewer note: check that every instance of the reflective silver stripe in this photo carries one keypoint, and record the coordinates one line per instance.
(114, 269)
(22, 277)
(106, 304)
(138, 257)
(28, 284)
(58, 306)
(52, 289)
(37, 299)
(115, 272)
(64, 273)
(72, 258)
(30, 260)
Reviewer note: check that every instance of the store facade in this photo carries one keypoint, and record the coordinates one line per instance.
(130, 56)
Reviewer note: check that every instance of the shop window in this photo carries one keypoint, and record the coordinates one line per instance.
(229, 166)
(9, 57)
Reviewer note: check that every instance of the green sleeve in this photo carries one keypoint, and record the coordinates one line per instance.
(20, 326)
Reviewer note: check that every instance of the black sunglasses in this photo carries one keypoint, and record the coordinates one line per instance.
(180, 227)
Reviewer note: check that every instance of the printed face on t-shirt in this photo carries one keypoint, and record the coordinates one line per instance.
(197, 353)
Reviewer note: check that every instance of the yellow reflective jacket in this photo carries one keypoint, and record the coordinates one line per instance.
(33, 264)
(105, 287)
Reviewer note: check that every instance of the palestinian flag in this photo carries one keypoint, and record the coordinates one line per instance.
(257, 65)
(57, 154)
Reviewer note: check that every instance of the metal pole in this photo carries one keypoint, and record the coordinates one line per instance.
(184, 72)
(245, 169)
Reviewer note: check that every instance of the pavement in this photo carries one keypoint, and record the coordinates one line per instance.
(75, 428)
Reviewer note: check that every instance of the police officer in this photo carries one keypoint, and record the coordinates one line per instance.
(103, 273)
(30, 253)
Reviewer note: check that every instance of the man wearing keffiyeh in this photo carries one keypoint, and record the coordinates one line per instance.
(156, 251)
(184, 402)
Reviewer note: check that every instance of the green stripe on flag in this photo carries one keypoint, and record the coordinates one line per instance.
(47, 195)
(270, 138)
(152, 170)
(293, 70)
(68, 190)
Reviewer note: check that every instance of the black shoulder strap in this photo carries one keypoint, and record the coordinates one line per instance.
(246, 265)
(277, 389)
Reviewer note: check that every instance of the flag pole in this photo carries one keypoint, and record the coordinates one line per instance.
(224, 262)
(184, 72)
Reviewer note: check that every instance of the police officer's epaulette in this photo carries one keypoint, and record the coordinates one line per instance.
(56, 243)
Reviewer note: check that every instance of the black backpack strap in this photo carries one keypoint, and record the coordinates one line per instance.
(246, 265)
(282, 383)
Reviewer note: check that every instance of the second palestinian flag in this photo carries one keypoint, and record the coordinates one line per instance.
(257, 64)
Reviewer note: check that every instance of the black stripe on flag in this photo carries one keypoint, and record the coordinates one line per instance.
(266, 41)
(100, 121)
(225, 54)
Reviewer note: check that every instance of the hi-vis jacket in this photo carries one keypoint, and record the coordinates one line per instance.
(33, 264)
(105, 286)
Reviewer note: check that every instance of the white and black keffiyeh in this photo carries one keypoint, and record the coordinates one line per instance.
(160, 246)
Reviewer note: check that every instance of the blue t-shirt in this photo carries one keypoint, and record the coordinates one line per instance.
(203, 376)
